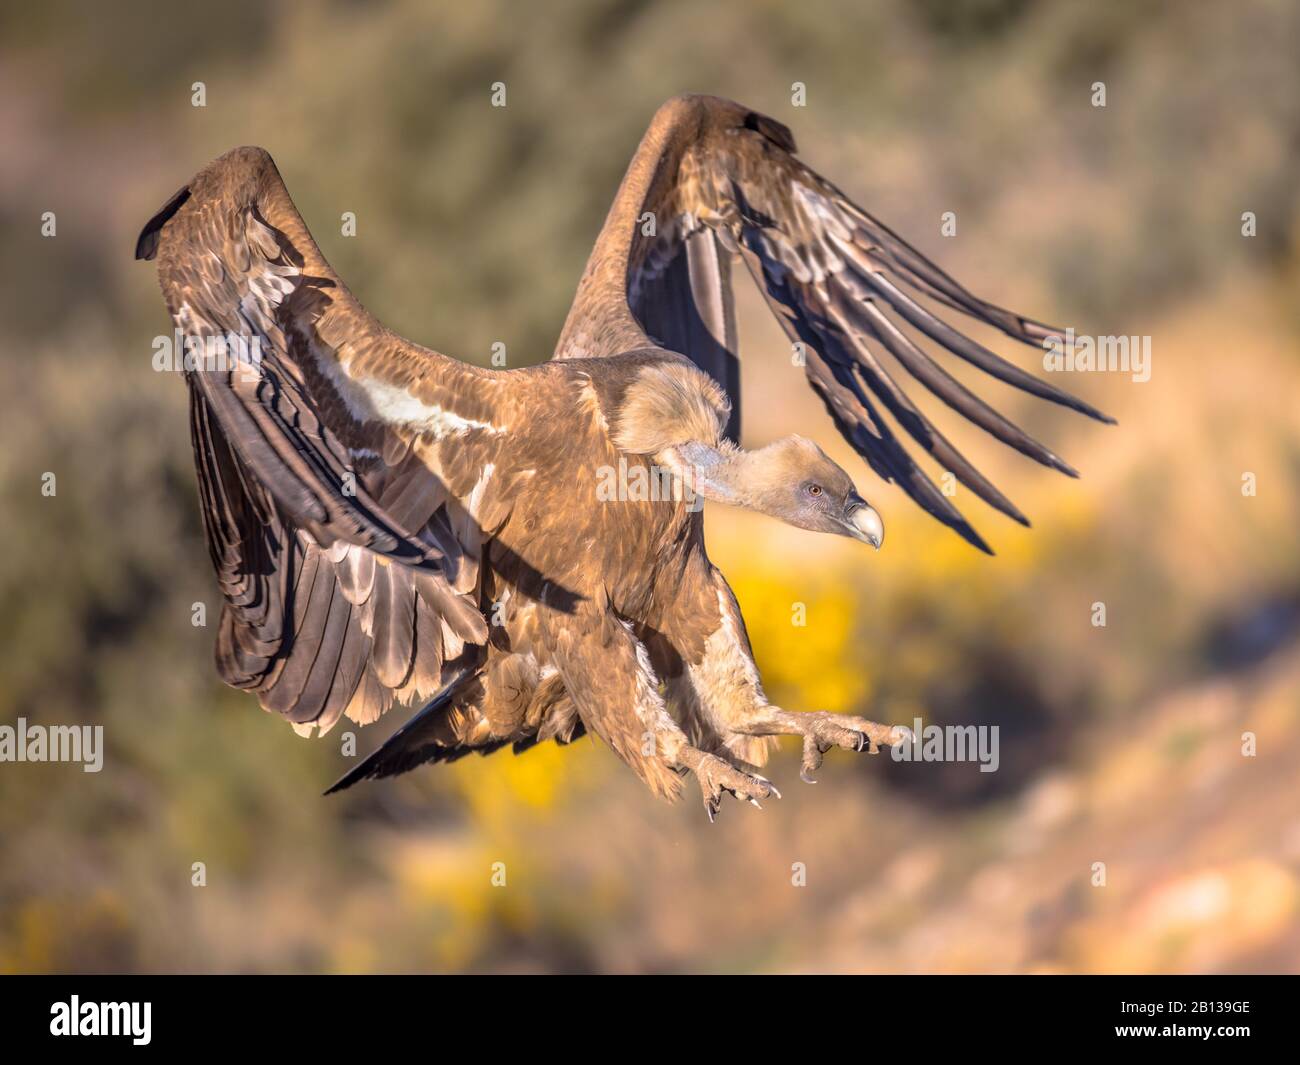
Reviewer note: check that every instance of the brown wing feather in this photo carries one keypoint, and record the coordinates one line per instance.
(840, 282)
(329, 534)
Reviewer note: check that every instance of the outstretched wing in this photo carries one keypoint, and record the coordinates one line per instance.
(712, 180)
(345, 474)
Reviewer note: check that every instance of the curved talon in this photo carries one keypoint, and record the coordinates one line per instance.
(718, 777)
(812, 758)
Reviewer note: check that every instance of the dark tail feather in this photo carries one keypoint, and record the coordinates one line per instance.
(407, 747)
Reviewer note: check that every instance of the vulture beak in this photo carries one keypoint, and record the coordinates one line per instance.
(863, 523)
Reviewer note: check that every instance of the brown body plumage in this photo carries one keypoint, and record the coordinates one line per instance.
(389, 524)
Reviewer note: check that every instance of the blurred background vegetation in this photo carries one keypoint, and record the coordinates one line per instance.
(1119, 744)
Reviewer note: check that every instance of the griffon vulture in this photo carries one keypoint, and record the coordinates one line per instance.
(389, 524)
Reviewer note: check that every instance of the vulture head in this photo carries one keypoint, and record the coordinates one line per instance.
(676, 414)
(791, 479)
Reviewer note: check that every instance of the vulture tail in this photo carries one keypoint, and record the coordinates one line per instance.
(422, 739)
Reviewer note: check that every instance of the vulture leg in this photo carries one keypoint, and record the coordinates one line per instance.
(720, 693)
(608, 673)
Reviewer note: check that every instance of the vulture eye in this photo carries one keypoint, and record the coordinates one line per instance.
(814, 490)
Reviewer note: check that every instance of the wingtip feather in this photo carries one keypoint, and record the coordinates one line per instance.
(967, 533)
(1064, 467)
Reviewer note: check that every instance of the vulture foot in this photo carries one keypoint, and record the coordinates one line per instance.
(825, 731)
(822, 731)
(717, 777)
